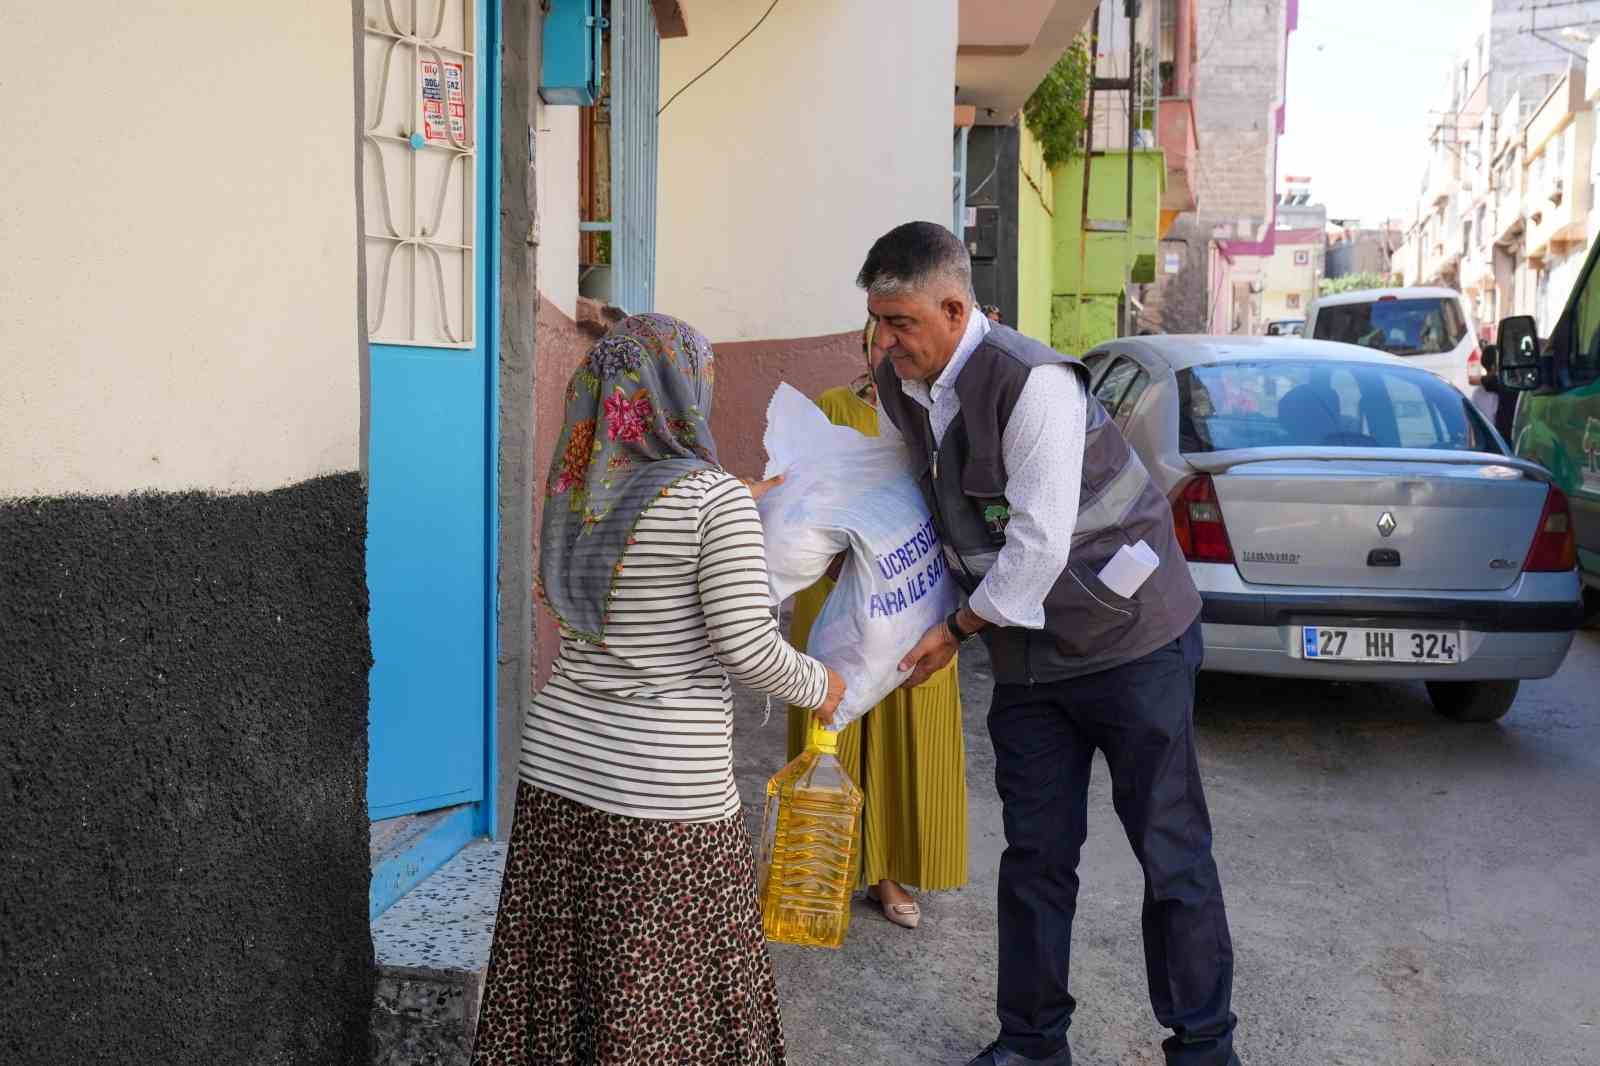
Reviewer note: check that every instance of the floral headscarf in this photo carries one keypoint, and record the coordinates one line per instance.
(637, 421)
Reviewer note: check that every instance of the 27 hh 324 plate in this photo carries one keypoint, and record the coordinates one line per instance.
(1361, 645)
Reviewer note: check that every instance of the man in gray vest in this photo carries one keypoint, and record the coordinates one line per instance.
(1033, 492)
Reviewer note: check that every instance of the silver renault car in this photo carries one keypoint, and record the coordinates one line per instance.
(1348, 516)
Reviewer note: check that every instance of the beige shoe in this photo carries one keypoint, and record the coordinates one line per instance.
(905, 915)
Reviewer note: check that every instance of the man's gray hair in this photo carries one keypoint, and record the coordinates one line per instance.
(912, 256)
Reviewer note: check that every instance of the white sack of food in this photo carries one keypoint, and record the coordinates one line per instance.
(843, 490)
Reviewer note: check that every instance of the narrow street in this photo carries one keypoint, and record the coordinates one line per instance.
(1402, 890)
(373, 547)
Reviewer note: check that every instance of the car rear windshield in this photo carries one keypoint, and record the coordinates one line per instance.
(1289, 404)
(1422, 326)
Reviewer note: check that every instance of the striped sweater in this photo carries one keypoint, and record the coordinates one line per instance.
(643, 726)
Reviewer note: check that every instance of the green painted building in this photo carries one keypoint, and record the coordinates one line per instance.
(1097, 251)
(1058, 267)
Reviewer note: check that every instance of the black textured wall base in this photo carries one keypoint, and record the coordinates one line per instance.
(183, 749)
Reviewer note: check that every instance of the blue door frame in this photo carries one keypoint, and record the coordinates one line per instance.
(433, 530)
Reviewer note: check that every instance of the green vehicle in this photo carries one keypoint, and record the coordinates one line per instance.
(1558, 413)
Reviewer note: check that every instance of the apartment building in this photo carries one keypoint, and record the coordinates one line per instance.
(277, 413)
(1068, 250)
(1213, 257)
(1355, 248)
(1503, 210)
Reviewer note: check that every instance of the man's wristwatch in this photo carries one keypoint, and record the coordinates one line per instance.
(953, 624)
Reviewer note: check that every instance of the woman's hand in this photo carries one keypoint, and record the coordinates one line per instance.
(830, 706)
(759, 489)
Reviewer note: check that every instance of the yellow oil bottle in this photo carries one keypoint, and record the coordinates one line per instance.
(810, 833)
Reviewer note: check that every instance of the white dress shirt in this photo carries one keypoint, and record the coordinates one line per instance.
(1042, 449)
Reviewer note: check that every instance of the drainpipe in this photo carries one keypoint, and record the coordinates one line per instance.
(1135, 105)
(1088, 160)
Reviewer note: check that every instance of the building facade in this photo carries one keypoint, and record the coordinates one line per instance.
(184, 539)
(279, 407)
(1354, 248)
(1504, 205)
(1069, 252)
(1292, 273)
(1213, 258)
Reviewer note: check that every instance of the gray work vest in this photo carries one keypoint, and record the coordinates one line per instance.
(1088, 628)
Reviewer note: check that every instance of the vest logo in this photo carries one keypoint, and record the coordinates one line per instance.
(1282, 558)
(997, 516)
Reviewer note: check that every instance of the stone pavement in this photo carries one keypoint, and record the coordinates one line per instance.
(1402, 890)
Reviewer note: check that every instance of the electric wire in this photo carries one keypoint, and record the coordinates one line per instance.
(719, 59)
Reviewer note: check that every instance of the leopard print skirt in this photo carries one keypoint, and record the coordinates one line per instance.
(627, 942)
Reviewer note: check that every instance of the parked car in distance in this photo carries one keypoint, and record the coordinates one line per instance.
(1286, 327)
(1558, 409)
(1428, 327)
(1347, 515)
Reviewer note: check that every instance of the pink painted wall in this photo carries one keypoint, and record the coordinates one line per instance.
(748, 372)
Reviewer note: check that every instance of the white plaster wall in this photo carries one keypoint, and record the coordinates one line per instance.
(1281, 277)
(556, 168)
(829, 126)
(178, 277)
(1564, 268)
(555, 164)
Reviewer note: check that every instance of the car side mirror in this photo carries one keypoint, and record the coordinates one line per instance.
(1518, 345)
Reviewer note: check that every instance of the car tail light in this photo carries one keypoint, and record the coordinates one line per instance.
(1475, 367)
(1197, 519)
(1554, 548)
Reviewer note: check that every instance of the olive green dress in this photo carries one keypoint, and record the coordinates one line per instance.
(906, 753)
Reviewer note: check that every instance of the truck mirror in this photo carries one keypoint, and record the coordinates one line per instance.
(1518, 351)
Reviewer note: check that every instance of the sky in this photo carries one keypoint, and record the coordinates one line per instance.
(1363, 75)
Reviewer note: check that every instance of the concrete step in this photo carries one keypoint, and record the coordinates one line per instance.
(432, 949)
(407, 849)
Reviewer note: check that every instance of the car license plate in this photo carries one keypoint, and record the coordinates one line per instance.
(1349, 644)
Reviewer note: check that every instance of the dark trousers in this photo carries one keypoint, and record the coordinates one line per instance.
(1045, 735)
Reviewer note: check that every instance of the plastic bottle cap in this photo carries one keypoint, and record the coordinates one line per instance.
(819, 739)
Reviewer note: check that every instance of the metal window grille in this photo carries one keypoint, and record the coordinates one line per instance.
(420, 173)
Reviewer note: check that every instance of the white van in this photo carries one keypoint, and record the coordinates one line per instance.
(1430, 327)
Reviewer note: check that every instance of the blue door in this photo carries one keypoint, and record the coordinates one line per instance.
(428, 173)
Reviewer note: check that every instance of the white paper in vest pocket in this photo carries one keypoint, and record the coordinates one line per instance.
(1129, 568)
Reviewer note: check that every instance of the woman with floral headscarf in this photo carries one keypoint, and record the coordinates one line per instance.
(629, 933)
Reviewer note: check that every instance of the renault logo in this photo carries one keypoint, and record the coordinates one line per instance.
(1387, 524)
